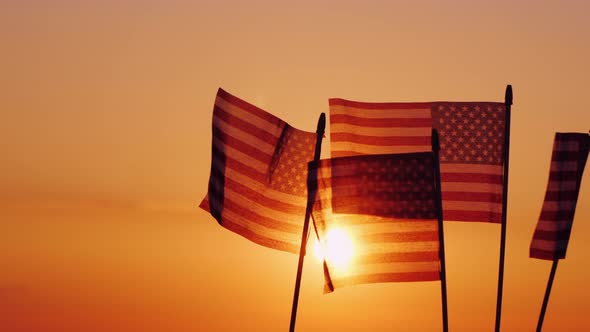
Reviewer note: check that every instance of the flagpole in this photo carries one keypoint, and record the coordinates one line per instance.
(547, 293)
(441, 237)
(508, 103)
(311, 192)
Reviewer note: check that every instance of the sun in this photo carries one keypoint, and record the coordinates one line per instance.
(338, 249)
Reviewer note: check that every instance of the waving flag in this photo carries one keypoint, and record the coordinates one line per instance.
(471, 146)
(258, 182)
(376, 219)
(570, 151)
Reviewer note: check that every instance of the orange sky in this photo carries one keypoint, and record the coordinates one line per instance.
(106, 113)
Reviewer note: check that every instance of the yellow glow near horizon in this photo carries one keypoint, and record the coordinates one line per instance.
(338, 248)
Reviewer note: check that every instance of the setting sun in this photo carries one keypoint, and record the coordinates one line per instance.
(338, 248)
(109, 146)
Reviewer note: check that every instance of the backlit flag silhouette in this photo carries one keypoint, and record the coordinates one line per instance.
(471, 146)
(258, 182)
(570, 151)
(376, 219)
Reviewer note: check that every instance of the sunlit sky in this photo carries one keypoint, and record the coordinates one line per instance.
(106, 131)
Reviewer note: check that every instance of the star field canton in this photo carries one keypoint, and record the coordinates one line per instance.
(382, 185)
(471, 146)
(385, 204)
(257, 186)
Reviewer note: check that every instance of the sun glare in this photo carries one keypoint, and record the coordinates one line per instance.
(317, 251)
(338, 250)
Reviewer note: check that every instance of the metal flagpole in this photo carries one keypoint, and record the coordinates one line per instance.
(508, 103)
(311, 192)
(441, 237)
(547, 293)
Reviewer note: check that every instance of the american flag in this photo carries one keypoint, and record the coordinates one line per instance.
(258, 181)
(570, 151)
(376, 219)
(471, 146)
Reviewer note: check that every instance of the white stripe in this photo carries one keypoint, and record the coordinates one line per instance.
(368, 269)
(392, 113)
(363, 224)
(247, 204)
(242, 157)
(267, 191)
(230, 173)
(564, 166)
(273, 128)
(471, 168)
(391, 227)
(377, 149)
(471, 187)
(355, 190)
(235, 132)
(326, 212)
(558, 205)
(261, 230)
(265, 210)
(389, 247)
(380, 131)
(472, 206)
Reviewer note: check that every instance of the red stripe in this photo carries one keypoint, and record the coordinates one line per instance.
(570, 195)
(391, 122)
(480, 216)
(238, 167)
(246, 106)
(393, 257)
(365, 220)
(252, 217)
(205, 204)
(423, 208)
(471, 178)
(342, 201)
(547, 255)
(375, 140)
(562, 215)
(396, 184)
(471, 196)
(555, 236)
(261, 240)
(377, 106)
(264, 198)
(399, 237)
(245, 126)
(241, 146)
(563, 176)
(559, 156)
(571, 137)
(388, 277)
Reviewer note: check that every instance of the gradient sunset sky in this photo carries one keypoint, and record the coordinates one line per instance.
(106, 141)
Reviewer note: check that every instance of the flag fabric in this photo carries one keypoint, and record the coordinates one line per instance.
(471, 146)
(258, 181)
(376, 219)
(570, 151)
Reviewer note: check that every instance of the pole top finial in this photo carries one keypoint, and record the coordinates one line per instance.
(508, 95)
(321, 125)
